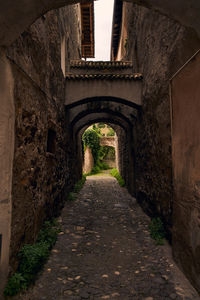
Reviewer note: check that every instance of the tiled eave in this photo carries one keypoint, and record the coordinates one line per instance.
(136, 76)
(100, 64)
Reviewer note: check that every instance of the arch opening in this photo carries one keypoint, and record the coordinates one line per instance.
(99, 148)
(125, 143)
(118, 113)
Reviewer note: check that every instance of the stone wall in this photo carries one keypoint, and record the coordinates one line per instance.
(125, 161)
(158, 47)
(88, 160)
(185, 91)
(43, 154)
(108, 141)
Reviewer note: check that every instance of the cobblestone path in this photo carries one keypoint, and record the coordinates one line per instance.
(105, 252)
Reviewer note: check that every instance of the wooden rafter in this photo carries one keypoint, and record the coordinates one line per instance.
(87, 23)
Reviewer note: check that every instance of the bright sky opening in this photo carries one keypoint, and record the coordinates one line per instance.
(103, 28)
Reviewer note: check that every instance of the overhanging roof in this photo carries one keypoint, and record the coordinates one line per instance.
(87, 24)
(116, 28)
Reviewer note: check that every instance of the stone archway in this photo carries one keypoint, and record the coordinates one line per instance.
(119, 115)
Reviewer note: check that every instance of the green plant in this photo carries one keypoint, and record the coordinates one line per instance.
(101, 125)
(15, 284)
(157, 230)
(105, 166)
(77, 187)
(32, 259)
(95, 170)
(106, 152)
(103, 152)
(111, 153)
(71, 197)
(48, 233)
(95, 128)
(102, 165)
(115, 173)
(91, 139)
(111, 132)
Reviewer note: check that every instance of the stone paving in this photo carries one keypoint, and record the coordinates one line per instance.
(105, 252)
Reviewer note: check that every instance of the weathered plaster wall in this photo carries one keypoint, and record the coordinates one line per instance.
(41, 170)
(158, 47)
(185, 91)
(7, 117)
(88, 160)
(127, 89)
(108, 141)
(110, 162)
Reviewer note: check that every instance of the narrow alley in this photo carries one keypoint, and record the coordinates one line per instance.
(87, 86)
(105, 251)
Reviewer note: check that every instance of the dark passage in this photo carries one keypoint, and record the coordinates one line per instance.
(105, 252)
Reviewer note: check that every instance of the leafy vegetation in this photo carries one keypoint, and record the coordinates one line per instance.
(102, 165)
(101, 125)
(95, 128)
(105, 152)
(98, 168)
(95, 170)
(48, 233)
(157, 231)
(71, 196)
(32, 259)
(91, 139)
(111, 132)
(15, 284)
(77, 187)
(115, 173)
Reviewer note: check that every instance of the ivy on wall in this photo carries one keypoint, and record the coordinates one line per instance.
(111, 132)
(91, 139)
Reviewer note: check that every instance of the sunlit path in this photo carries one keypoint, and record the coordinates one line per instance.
(105, 252)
